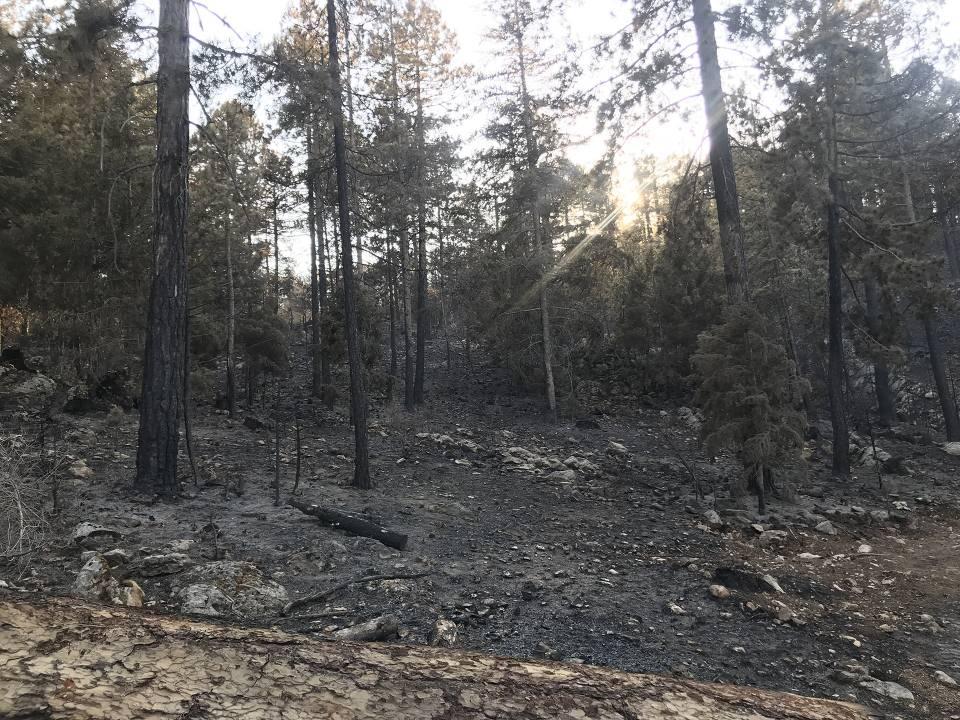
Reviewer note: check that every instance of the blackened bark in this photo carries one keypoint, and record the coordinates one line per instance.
(950, 419)
(422, 318)
(886, 403)
(542, 244)
(358, 394)
(161, 392)
(316, 381)
(408, 357)
(838, 413)
(721, 155)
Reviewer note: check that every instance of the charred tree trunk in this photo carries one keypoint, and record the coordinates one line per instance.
(442, 273)
(276, 255)
(392, 298)
(65, 659)
(326, 381)
(886, 400)
(358, 393)
(838, 411)
(231, 326)
(928, 315)
(316, 380)
(951, 421)
(159, 434)
(721, 155)
(422, 318)
(408, 356)
(542, 245)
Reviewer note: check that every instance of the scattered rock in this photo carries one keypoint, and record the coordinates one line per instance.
(94, 580)
(771, 582)
(80, 470)
(163, 564)
(202, 599)
(892, 690)
(130, 594)
(951, 448)
(826, 527)
(615, 448)
(545, 651)
(772, 537)
(675, 609)
(880, 516)
(531, 590)
(944, 679)
(567, 476)
(88, 534)
(720, 592)
(240, 589)
(23, 388)
(443, 633)
(582, 465)
(713, 519)
(116, 557)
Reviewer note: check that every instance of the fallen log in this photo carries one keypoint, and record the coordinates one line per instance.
(379, 628)
(352, 524)
(63, 658)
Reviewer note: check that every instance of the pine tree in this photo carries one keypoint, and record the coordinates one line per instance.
(751, 398)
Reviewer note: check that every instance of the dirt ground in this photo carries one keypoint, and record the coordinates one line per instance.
(610, 564)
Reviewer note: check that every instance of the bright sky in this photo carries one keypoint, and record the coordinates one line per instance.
(588, 19)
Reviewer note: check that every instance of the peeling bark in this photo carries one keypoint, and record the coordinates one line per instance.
(67, 659)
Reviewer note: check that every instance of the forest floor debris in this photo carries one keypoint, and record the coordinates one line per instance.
(530, 539)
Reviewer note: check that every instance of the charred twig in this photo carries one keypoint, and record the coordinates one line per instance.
(324, 594)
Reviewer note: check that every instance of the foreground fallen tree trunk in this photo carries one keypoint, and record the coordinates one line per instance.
(63, 658)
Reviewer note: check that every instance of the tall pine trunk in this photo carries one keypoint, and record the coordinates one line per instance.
(838, 411)
(316, 381)
(422, 317)
(326, 382)
(928, 315)
(408, 354)
(721, 155)
(886, 400)
(276, 255)
(231, 325)
(541, 243)
(161, 393)
(938, 366)
(358, 394)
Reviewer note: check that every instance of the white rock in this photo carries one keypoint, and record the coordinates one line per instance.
(444, 633)
(865, 549)
(892, 690)
(720, 592)
(826, 527)
(80, 470)
(94, 580)
(88, 533)
(248, 594)
(202, 599)
(713, 518)
(615, 448)
(944, 679)
(951, 448)
(164, 564)
(772, 583)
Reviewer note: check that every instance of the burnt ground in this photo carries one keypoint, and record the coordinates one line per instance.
(610, 567)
